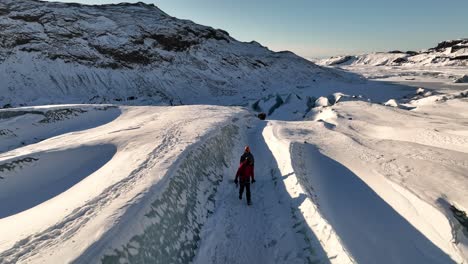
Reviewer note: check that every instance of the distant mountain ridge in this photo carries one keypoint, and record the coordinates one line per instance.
(446, 53)
(135, 53)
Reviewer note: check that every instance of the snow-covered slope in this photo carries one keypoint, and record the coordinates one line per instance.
(446, 53)
(354, 182)
(380, 180)
(137, 54)
(104, 192)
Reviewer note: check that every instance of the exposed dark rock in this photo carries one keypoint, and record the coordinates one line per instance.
(173, 42)
(458, 47)
(22, 40)
(461, 217)
(400, 60)
(9, 166)
(262, 116)
(4, 10)
(395, 51)
(11, 114)
(278, 103)
(342, 60)
(310, 102)
(142, 4)
(463, 57)
(53, 116)
(412, 53)
(261, 62)
(122, 55)
(256, 106)
(258, 64)
(439, 59)
(214, 34)
(449, 43)
(463, 79)
(27, 17)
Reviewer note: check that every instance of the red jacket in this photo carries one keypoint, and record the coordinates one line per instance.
(245, 171)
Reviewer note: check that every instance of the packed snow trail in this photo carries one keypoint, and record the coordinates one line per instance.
(269, 231)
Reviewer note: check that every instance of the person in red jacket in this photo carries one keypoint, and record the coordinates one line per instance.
(243, 175)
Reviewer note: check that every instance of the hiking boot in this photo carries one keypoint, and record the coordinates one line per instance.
(249, 203)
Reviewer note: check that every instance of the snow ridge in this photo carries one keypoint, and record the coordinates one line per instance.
(174, 220)
(446, 53)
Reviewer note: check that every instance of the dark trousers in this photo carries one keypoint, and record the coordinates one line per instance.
(245, 185)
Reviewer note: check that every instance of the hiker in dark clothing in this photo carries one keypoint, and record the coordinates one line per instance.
(247, 154)
(244, 174)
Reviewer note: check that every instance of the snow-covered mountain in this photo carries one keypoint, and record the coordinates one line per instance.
(446, 53)
(136, 54)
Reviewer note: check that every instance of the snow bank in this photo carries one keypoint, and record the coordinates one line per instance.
(277, 140)
(30, 180)
(335, 97)
(158, 148)
(392, 103)
(327, 115)
(169, 230)
(387, 163)
(322, 101)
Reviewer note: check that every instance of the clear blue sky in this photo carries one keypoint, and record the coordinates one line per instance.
(318, 28)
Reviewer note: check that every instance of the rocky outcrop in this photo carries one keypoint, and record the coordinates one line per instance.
(122, 35)
(463, 79)
(449, 43)
(446, 53)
